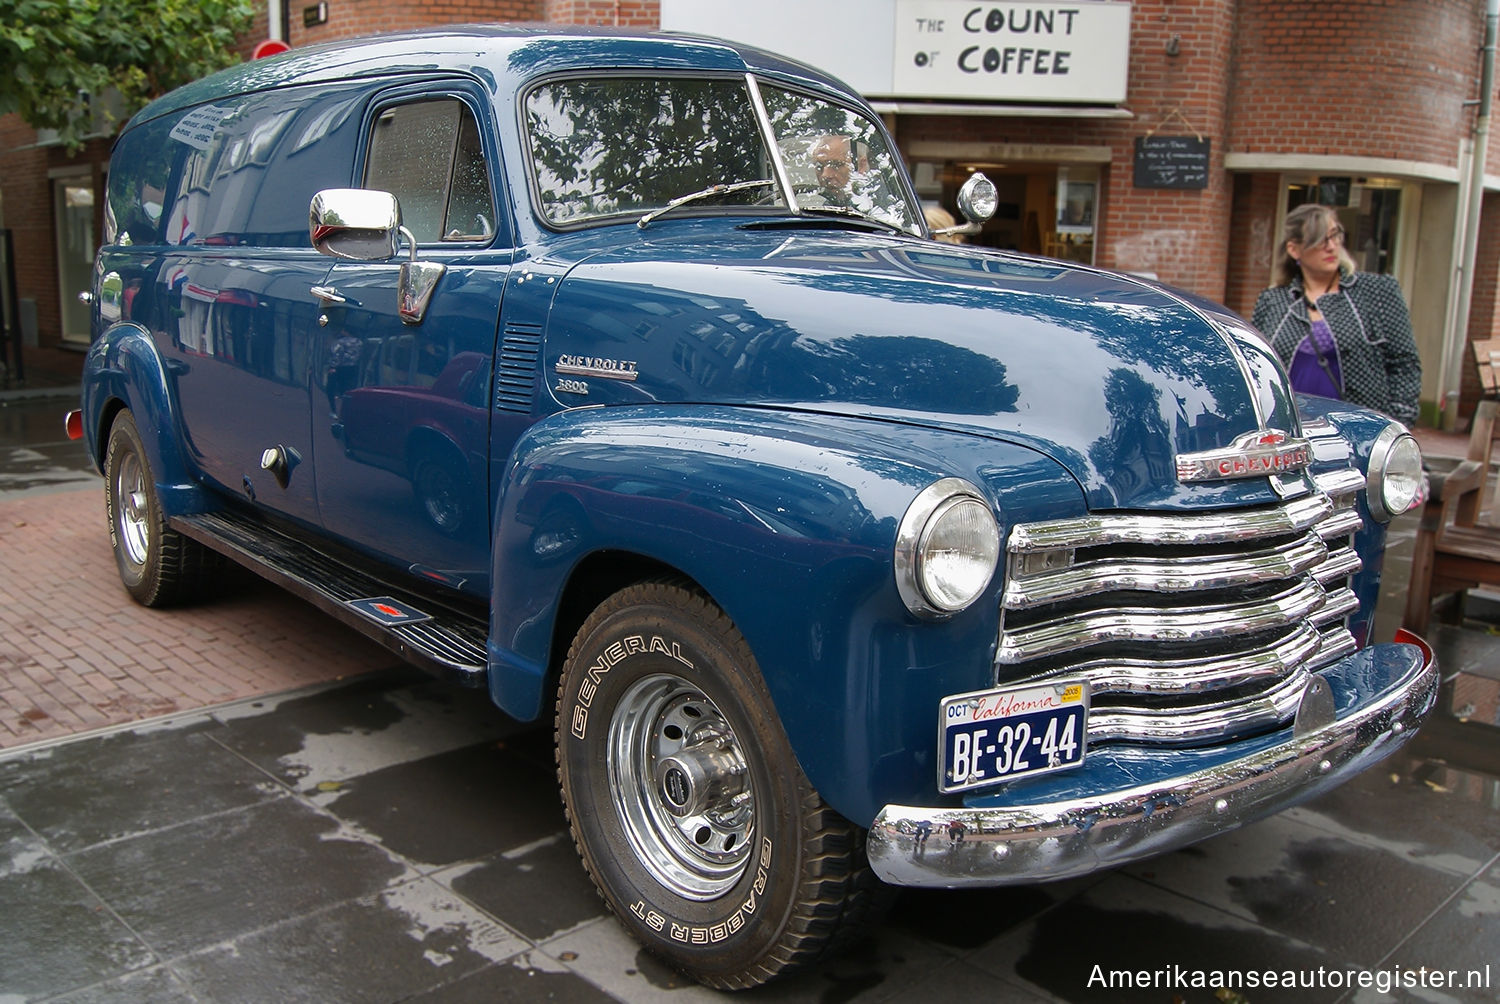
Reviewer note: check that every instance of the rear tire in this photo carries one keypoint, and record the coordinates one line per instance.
(158, 566)
(688, 807)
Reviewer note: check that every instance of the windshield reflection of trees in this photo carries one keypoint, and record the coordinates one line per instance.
(632, 144)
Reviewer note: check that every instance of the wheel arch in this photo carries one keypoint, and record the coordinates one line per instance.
(125, 370)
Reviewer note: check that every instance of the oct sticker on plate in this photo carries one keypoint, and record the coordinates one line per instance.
(997, 735)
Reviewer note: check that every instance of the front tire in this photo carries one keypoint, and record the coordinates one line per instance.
(159, 567)
(688, 807)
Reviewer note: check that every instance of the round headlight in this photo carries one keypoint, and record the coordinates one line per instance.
(1394, 480)
(946, 549)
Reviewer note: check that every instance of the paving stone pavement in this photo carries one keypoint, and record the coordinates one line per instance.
(77, 653)
(391, 839)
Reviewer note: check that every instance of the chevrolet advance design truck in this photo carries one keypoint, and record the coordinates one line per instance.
(618, 375)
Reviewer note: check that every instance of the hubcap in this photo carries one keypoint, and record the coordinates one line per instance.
(680, 785)
(131, 515)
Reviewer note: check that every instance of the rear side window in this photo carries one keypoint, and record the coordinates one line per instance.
(236, 173)
(428, 154)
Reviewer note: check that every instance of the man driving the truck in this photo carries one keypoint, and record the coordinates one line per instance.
(834, 162)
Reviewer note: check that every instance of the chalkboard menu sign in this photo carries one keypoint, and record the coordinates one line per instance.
(1171, 162)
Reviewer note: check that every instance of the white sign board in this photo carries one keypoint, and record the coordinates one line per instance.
(1045, 51)
(198, 126)
(1040, 51)
(850, 39)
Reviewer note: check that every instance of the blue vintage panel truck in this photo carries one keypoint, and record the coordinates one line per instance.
(618, 375)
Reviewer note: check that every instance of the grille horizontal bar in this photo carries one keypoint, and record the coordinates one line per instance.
(1165, 575)
(1192, 725)
(1189, 676)
(1153, 624)
(1191, 628)
(1198, 529)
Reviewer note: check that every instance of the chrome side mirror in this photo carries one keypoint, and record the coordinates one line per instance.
(364, 225)
(355, 223)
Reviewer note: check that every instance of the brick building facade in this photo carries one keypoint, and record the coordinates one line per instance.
(1370, 102)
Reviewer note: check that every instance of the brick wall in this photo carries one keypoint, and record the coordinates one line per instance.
(351, 18)
(1358, 78)
(625, 13)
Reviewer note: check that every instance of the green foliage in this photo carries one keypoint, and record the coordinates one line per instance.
(63, 58)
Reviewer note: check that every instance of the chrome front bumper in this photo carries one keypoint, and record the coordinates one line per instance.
(1380, 697)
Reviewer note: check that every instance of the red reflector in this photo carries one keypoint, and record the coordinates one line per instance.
(1406, 637)
(73, 423)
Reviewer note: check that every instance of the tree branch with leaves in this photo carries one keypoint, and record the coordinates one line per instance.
(65, 59)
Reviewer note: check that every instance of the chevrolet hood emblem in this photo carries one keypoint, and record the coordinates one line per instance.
(1256, 454)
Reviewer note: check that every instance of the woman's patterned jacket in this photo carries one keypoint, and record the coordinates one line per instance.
(1367, 314)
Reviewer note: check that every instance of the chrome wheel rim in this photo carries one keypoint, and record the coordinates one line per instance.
(679, 783)
(131, 512)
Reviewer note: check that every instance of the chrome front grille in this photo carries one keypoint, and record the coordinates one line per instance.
(1190, 628)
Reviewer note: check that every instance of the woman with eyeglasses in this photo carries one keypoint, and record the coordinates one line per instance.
(1340, 332)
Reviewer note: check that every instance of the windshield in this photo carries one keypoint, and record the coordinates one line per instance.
(837, 158)
(605, 147)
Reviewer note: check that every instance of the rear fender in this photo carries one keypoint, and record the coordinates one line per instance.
(124, 370)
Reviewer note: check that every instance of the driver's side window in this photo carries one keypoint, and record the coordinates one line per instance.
(429, 155)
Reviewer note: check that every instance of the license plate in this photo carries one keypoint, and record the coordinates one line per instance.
(991, 736)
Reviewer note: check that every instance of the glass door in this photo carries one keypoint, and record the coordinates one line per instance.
(73, 209)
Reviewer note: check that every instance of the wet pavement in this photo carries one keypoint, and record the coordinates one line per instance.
(390, 838)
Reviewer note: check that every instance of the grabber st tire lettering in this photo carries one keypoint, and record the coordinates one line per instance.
(687, 805)
(158, 566)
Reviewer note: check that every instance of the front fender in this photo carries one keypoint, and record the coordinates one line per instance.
(124, 368)
(1357, 428)
(788, 521)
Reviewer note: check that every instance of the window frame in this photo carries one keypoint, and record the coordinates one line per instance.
(440, 90)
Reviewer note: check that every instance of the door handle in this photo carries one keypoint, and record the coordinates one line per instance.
(328, 294)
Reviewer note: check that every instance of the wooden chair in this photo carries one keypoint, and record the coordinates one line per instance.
(1487, 359)
(1454, 551)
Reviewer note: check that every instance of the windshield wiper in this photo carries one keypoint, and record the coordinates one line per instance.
(683, 200)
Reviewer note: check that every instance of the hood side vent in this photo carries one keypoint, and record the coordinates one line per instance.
(515, 376)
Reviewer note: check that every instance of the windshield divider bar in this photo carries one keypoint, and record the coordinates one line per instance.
(768, 136)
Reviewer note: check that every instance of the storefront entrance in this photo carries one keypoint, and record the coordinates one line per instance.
(1045, 207)
(1369, 210)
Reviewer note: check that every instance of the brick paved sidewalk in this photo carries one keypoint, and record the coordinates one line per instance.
(77, 654)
